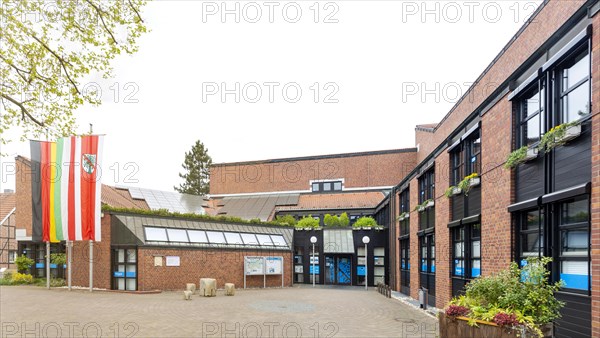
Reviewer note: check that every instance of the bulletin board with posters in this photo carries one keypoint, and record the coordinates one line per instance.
(263, 265)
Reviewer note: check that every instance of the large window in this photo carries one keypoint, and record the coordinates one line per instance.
(427, 253)
(405, 210)
(184, 236)
(427, 192)
(457, 159)
(473, 147)
(466, 251)
(559, 95)
(574, 243)
(532, 237)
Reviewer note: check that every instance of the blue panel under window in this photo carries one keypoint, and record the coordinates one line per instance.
(458, 271)
(432, 268)
(52, 266)
(423, 267)
(130, 274)
(39, 265)
(316, 270)
(408, 266)
(475, 272)
(403, 266)
(575, 281)
(360, 270)
(119, 274)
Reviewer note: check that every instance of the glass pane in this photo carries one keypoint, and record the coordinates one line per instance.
(249, 239)
(574, 242)
(476, 231)
(574, 212)
(233, 238)
(476, 249)
(177, 235)
(264, 239)
(459, 234)
(131, 284)
(577, 103)
(532, 130)
(459, 267)
(120, 284)
(215, 237)
(315, 187)
(532, 220)
(131, 271)
(131, 256)
(579, 70)
(531, 105)
(379, 251)
(121, 255)
(337, 186)
(459, 250)
(155, 234)
(278, 240)
(197, 236)
(475, 268)
(575, 275)
(530, 244)
(327, 186)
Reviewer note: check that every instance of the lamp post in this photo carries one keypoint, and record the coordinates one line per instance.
(313, 240)
(366, 240)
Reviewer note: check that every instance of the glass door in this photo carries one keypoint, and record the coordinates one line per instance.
(124, 269)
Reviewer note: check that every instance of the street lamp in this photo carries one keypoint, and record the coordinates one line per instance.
(366, 240)
(313, 240)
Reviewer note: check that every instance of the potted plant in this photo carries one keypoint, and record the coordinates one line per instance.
(308, 223)
(520, 155)
(365, 223)
(559, 135)
(452, 191)
(403, 216)
(426, 204)
(468, 182)
(517, 302)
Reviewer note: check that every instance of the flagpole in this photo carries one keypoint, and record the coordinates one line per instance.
(48, 264)
(70, 253)
(91, 265)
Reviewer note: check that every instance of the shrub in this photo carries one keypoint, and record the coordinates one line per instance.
(516, 157)
(23, 263)
(22, 278)
(331, 221)
(344, 220)
(308, 222)
(457, 310)
(365, 221)
(286, 219)
(58, 258)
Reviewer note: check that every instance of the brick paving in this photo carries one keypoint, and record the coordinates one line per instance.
(290, 312)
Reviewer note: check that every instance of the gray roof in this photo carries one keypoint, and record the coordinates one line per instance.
(129, 229)
(257, 206)
(172, 201)
(338, 241)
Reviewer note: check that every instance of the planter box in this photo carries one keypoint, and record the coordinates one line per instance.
(571, 133)
(475, 181)
(456, 191)
(429, 204)
(459, 327)
(532, 153)
(420, 209)
(403, 217)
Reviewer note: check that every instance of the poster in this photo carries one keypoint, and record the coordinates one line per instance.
(254, 265)
(273, 265)
(172, 261)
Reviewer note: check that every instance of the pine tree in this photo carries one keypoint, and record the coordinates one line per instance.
(197, 171)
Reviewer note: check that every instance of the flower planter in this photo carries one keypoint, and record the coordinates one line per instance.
(367, 228)
(459, 327)
(475, 181)
(571, 133)
(532, 153)
(429, 204)
(420, 209)
(403, 217)
(379, 228)
(456, 191)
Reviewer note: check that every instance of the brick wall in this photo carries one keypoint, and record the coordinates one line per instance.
(414, 240)
(226, 266)
(101, 257)
(23, 195)
(373, 170)
(496, 186)
(396, 268)
(442, 237)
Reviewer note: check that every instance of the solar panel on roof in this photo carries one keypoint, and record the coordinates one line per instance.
(172, 201)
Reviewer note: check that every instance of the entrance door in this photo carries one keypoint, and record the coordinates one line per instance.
(338, 270)
(124, 269)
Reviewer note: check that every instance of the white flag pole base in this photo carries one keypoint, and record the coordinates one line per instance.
(91, 265)
(48, 265)
(70, 260)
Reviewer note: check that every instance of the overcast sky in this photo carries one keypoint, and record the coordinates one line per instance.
(365, 63)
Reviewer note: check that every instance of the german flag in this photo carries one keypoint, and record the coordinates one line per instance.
(65, 189)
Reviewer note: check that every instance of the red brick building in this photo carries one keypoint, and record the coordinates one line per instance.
(8, 244)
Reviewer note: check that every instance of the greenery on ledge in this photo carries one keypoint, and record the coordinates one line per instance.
(465, 184)
(450, 191)
(308, 222)
(336, 221)
(516, 298)
(167, 213)
(423, 205)
(556, 136)
(365, 222)
(403, 216)
(516, 157)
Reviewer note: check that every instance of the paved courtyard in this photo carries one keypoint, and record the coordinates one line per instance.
(290, 312)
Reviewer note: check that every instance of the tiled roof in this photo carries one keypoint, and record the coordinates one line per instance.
(258, 206)
(7, 203)
(348, 200)
(120, 198)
